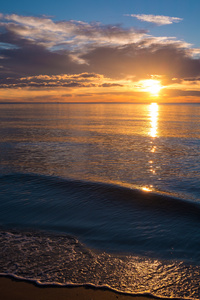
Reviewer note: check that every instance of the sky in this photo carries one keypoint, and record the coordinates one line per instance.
(100, 51)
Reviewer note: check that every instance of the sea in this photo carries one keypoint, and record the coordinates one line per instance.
(104, 195)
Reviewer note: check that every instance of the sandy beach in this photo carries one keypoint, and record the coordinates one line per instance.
(12, 289)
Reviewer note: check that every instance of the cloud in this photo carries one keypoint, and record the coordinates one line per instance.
(27, 58)
(42, 54)
(84, 80)
(66, 95)
(192, 79)
(54, 81)
(45, 31)
(108, 84)
(183, 93)
(156, 19)
(140, 61)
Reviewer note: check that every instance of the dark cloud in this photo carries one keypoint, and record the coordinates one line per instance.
(87, 75)
(67, 95)
(30, 50)
(85, 95)
(192, 79)
(32, 59)
(45, 82)
(26, 58)
(167, 60)
(108, 84)
(179, 93)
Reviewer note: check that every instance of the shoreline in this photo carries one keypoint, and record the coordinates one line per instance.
(19, 289)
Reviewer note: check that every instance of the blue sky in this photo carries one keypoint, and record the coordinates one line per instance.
(72, 50)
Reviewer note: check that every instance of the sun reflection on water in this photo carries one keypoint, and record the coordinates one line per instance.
(153, 114)
(153, 109)
(147, 188)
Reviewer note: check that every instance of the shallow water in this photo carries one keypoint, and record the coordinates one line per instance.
(109, 189)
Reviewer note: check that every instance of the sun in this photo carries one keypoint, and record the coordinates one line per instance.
(152, 86)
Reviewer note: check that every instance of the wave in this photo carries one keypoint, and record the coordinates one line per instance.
(104, 216)
(61, 260)
(115, 192)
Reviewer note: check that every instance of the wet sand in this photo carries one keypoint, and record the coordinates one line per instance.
(12, 289)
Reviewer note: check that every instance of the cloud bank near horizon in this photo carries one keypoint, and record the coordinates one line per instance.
(38, 53)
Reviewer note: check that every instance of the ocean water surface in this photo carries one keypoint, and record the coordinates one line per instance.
(102, 194)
